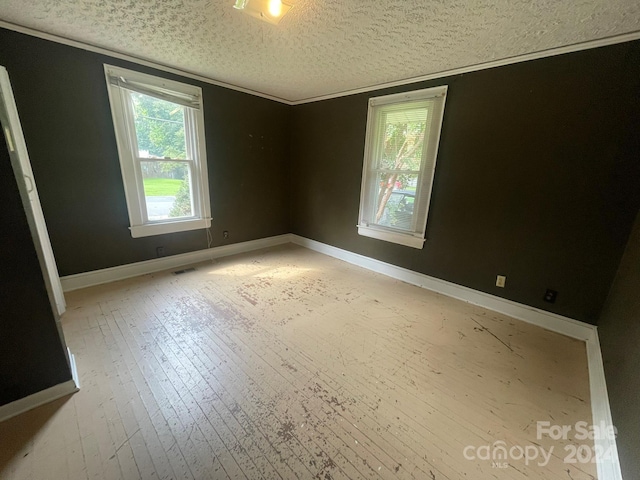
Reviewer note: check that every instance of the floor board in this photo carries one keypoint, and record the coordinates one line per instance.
(284, 364)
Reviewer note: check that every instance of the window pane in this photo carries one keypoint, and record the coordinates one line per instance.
(159, 127)
(394, 200)
(402, 138)
(167, 189)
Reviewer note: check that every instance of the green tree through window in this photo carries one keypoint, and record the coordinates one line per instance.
(160, 134)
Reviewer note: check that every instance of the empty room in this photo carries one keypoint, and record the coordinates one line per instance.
(312, 239)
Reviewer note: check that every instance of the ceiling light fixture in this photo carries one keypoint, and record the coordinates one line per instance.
(275, 8)
(270, 11)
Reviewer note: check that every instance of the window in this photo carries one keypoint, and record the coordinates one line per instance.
(160, 134)
(403, 132)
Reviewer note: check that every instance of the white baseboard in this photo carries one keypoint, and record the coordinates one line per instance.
(608, 469)
(107, 275)
(44, 396)
(556, 323)
(74, 369)
(37, 399)
(609, 466)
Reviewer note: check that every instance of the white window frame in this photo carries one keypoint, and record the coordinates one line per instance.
(130, 162)
(366, 220)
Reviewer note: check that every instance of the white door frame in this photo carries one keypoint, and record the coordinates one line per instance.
(21, 164)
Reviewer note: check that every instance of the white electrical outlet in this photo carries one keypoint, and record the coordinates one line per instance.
(500, 281)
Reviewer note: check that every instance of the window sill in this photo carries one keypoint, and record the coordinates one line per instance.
(150, 229)
(406, 239)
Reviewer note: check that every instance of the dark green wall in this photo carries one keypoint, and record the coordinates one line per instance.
(31, 354)
(619, 331)
(64, 109)
(536, 179)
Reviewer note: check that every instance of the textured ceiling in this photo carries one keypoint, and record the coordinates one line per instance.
(325, 46)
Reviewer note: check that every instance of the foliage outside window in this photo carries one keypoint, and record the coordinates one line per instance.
(160, 133)
(403, 132)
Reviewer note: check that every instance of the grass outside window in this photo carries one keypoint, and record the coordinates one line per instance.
(161, 187)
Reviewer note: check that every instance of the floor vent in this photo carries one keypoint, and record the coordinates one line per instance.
(186, 270)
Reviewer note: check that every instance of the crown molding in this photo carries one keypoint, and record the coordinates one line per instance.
(551, 52)
(576, 47)
(132, 58)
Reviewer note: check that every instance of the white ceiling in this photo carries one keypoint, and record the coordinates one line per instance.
(325, 46)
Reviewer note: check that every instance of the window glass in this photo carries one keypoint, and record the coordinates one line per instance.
(403, 139)
(167, 189)
(394, 201)
(400, 153)
(159, 127)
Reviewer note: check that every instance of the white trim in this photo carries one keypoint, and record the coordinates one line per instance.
(408, 239)
(551, 52)
(550, 321)
(130, 163)
(98, 277)
(131, 58)
(432, 100)
(26, 183)
(577, 47)
(37, 399)
(410, 96)
(609, 466)
(608, 469)
(74, 368)
(44, 396)
(149, 229)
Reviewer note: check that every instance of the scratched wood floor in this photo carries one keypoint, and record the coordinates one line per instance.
(285, 363)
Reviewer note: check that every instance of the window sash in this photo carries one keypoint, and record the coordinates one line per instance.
(130, 161)
(164, 160)
(386, 170)
(196, 196)
(184, 99)
(379, 109)
(381, 113)
(189, 128)
(193, 188)
(371, 221)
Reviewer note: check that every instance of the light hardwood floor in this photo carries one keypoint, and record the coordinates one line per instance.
(285, 363)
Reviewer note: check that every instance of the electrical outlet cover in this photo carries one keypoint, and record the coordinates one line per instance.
(550, 296)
